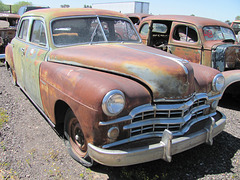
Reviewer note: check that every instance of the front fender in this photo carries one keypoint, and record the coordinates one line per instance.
(232, 82)
(83, 90)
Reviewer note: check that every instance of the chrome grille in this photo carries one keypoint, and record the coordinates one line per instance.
(162, 117)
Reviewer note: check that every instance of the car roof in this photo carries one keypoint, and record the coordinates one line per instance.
(52, 13)
(140, 15)
(198, 21)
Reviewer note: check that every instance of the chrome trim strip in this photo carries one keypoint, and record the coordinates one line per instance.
(181, 120)
(149, 107)
(155, 134)
(154, 151)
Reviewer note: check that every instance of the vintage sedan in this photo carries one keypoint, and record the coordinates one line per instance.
(117, 101)
(199, 40)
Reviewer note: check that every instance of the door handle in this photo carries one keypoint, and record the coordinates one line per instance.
(23, 51)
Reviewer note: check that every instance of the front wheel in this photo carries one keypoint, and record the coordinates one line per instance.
(75, 140)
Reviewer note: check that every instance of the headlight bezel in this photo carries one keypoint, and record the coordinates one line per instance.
(113, 109)
(218, 87)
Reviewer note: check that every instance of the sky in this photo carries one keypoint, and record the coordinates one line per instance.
(221, 10)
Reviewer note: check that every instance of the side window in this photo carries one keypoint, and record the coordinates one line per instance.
(185, 34)
(38, 35)
(23, 30)
(144, 29)
(159, 28)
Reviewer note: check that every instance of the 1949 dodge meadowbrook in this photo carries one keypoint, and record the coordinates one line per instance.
(117, 101)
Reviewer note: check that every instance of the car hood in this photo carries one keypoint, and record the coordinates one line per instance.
(167, 77)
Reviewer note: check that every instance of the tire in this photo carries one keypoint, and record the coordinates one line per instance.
(75, 141)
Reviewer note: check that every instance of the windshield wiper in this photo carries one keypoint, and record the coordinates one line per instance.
(94, 34)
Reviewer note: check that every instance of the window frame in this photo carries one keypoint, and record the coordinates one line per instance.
(186, 26)
(42, 28)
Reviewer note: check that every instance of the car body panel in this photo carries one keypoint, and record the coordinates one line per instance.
(196, 50)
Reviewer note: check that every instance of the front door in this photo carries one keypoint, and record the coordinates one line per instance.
(185, 42)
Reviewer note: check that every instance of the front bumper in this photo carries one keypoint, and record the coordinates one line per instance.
(167, 147)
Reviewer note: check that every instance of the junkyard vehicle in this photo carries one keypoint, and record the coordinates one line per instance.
(236, 27)
(118, 101)
(199, 40)
(136, 18)
(8, 24)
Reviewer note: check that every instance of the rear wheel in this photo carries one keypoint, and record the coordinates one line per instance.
(75, 140)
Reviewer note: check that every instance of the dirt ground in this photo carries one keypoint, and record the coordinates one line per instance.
(30, 148)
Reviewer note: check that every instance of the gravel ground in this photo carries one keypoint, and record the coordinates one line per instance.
(30, 148)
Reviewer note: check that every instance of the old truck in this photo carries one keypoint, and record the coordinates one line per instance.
(117, 101)
(8, 25)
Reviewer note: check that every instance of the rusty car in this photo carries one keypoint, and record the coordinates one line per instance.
(236, 27)
(136, 18)
(197, 39)
(116, 101)
(8, 25)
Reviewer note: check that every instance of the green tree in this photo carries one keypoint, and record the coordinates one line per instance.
(4, 7)
(19, 4)
(87, 6)
(65, 6)
(237, 18)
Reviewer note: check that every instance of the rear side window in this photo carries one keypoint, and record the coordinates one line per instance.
(144, 29)
(23, 30)
(185, 34)
(38, 35)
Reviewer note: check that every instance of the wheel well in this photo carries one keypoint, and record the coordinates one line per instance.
(233, 89)
(60, 110)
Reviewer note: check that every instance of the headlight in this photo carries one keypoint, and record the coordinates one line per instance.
(113, 102)
(218, 83)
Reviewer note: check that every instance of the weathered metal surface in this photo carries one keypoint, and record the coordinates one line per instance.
(200, 51)
(8, 15)
(83, 90)
(200, 22)
(168, 76)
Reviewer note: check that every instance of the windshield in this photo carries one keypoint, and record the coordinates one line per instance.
(236, 25)
(69, 31)
(218, 33)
